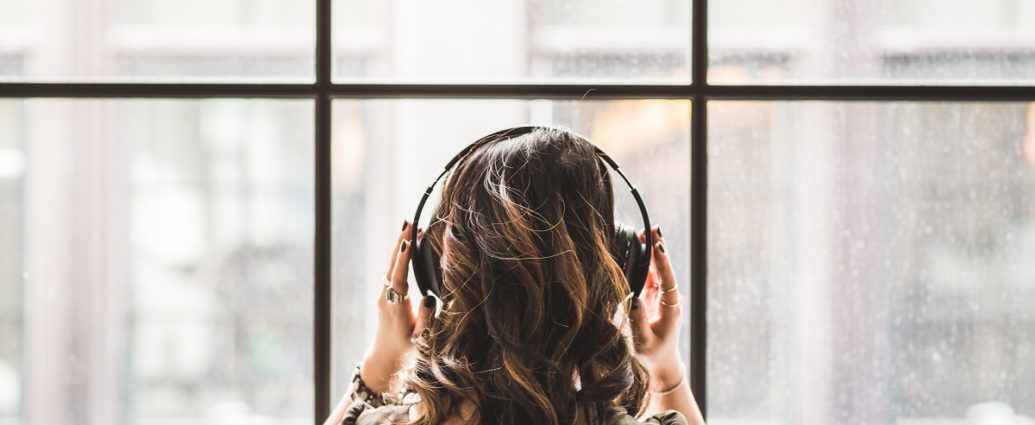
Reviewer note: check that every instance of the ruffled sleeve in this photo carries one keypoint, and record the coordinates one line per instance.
(361, 413)
(668, 417)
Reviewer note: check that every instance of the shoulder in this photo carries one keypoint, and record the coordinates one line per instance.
(668, 417)
(361, 413)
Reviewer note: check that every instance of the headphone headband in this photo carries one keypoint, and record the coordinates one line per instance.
(419, 260)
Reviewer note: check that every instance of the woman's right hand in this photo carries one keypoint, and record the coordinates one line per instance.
(656, 321)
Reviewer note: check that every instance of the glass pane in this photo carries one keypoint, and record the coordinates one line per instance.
(154, 40)
(871, 263)
(872, 41)
(12, 168)
(649, 138)
(596, 40)
(156, 261)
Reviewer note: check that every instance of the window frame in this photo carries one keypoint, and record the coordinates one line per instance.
(698, 91)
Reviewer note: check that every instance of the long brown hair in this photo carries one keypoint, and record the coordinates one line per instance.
(525, 226)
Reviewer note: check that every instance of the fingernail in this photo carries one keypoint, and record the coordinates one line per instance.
(661, 246)
(635, 303)
(405, 223)
(659, 231)
(402, 247)
(429, 301)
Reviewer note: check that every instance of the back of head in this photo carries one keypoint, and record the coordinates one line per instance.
(525, 227)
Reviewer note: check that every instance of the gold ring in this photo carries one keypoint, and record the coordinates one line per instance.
(662, 301)
(394, 297)
(673, 288)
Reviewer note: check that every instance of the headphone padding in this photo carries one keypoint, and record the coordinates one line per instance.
(631, 255)
(426, 268)
(635, 268)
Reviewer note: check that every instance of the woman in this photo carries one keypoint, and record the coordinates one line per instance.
(536, 329)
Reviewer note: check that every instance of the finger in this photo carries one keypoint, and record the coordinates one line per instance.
(652, 291)
(641, 331)
(402, 269)
(652, 271)
(649, 297)
(427, 309)
(403, 234)
(652, 276)
(656, 234)
(671, 312)
(661, 266)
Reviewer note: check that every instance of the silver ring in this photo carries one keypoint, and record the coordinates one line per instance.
(394, 297)
(673, 288)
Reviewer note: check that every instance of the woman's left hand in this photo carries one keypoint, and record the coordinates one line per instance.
(396, 322)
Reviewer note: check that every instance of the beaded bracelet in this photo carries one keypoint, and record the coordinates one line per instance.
(358, 390)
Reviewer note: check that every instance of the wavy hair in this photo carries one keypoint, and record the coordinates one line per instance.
(528, 333)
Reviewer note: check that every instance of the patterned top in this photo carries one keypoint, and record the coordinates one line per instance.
(361, 413)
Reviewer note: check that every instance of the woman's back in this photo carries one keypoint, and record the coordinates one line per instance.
(529, 327)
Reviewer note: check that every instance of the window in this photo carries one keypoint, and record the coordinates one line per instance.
(872, 42)
(153, 40)
(880, 253)
(528, 40)
(161, 261)
(194, 195)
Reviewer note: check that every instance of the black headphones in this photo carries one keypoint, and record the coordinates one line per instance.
(633, 256)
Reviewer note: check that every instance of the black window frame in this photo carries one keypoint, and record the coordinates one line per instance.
(698, 91)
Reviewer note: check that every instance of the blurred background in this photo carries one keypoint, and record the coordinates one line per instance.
(868, 262)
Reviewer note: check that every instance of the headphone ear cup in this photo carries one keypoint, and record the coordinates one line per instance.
(629, 254)
(426, 268)
(636, 269)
